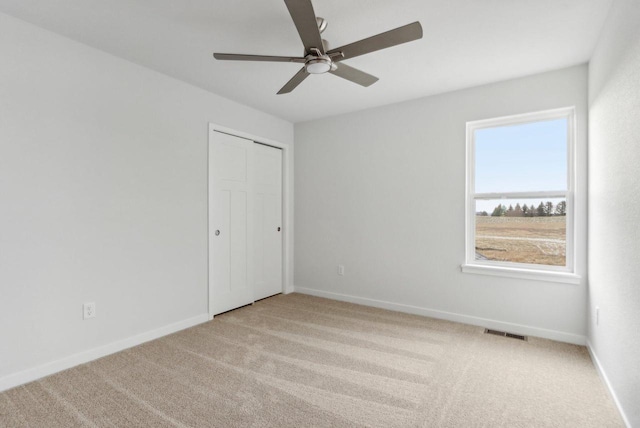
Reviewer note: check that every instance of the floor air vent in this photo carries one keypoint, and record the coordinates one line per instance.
(504, 334)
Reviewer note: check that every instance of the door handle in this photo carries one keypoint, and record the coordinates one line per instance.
(217, 232)
(278, 229)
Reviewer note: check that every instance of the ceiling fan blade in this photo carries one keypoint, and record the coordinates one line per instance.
(242, 57)
(294, 82)
(304, 18)
(384, 40)
(354, 75)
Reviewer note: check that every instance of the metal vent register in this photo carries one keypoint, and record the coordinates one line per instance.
(505, 334)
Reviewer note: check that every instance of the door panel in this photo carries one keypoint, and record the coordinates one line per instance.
(231, 232)
(267, 221)
(238, 241)
(231, 161)
(273, 243)
(259, 228)
(221, 274)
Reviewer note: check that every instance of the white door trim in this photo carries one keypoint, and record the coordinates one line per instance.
(287, 206)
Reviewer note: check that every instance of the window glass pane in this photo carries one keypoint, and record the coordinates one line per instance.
(522, 157)
(522, 231)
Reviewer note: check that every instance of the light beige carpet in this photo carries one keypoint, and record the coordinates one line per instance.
(301, 361)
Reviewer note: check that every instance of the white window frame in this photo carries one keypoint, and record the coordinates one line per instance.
(565, 273)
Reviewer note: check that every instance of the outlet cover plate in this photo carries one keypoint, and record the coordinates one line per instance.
(88, 310)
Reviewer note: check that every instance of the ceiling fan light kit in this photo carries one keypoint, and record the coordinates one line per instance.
(318, 65)
(318, 59)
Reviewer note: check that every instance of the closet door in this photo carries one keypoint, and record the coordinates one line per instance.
(230, 222)
(267, 221)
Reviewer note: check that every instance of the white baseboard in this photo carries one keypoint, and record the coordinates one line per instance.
(526, 330)
(50, 368)
(605, 379)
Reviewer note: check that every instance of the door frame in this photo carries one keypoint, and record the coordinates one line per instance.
(287, 206)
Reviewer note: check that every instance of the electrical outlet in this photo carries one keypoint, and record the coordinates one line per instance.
(341, 270)
(597, 315)
(88, 310)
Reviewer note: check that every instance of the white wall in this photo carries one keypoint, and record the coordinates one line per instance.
(382, 191)
(614, 204)
(103, 190)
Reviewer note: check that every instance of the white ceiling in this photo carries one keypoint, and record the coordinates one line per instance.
(466, 43)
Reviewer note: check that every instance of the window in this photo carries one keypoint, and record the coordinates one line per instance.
(520, 196)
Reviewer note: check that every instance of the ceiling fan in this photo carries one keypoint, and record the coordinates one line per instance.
(318, 58)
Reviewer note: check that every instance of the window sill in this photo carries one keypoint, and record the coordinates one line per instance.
(536, 275)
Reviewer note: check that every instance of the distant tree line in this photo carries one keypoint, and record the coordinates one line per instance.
(545, 209)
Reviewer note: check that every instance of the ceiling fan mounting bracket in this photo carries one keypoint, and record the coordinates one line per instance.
(322, 24)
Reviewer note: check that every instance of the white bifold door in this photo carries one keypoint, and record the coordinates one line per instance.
(245, 205)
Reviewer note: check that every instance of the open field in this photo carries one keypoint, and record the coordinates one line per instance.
(538, 240)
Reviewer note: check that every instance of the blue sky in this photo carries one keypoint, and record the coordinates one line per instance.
(523, 157)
